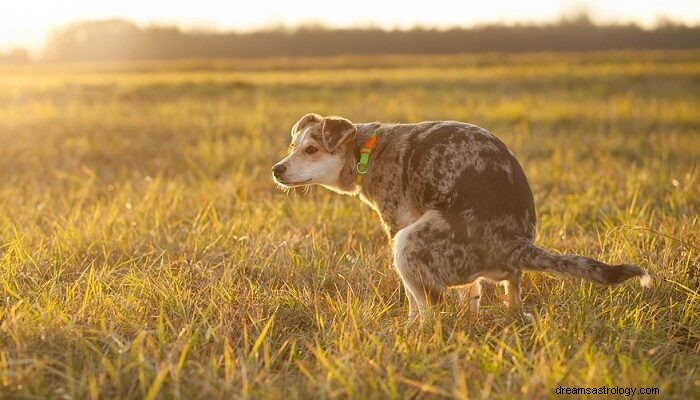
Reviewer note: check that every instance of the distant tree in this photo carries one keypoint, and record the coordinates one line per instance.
(15, 56)
(123, 40)
(94, 40)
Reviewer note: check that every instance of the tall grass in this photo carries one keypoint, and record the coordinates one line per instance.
(145, 253)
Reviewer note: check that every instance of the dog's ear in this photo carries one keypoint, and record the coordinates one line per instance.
(336, 130)
(304, 121)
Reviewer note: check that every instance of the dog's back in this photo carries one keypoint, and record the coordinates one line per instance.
(454, 167)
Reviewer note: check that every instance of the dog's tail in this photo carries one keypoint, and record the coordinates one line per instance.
(529, 257)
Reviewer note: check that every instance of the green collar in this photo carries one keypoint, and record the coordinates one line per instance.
(364, 156)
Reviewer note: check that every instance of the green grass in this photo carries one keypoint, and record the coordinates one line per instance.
(145, 252)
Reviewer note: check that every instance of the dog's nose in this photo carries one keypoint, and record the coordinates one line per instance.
(279, 169)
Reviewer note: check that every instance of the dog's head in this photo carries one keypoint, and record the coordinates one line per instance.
(321, 148)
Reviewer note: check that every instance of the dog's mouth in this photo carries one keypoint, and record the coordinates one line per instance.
(290, 184)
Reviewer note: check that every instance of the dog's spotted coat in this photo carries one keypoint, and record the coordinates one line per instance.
(452, 197)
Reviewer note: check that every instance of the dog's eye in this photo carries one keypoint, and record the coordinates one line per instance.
(311, 150)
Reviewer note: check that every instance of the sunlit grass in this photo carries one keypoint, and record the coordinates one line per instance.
(144, 251)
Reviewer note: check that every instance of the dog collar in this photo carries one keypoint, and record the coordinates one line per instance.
(364, 156)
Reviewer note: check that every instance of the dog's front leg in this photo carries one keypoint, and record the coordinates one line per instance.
(412, 304)
(414, 261)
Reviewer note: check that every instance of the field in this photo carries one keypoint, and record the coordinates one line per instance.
(146, 253)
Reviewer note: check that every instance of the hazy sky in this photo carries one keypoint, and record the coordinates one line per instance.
(28, 23)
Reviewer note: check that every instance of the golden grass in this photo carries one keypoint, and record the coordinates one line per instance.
(145, 253)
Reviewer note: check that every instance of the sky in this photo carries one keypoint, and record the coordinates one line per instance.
(28, 23)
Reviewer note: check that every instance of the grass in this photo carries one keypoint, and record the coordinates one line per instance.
(145, 253)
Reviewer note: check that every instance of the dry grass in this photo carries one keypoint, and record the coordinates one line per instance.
(145, 253)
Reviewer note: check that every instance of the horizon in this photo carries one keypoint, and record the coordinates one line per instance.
(16, 32)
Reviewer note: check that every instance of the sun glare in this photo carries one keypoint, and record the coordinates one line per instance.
(28, 24)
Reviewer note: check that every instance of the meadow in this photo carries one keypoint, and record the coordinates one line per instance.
(146, 253)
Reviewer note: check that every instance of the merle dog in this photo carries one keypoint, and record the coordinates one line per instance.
(452, 197)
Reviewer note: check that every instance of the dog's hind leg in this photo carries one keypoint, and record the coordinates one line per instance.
(512, 289)
(513, 293)
(472, 294)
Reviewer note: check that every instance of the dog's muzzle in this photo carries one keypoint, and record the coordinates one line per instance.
(278, 169)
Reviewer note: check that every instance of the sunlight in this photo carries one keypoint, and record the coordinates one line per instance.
(28, 23)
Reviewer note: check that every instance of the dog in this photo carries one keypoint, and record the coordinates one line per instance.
(453, 199)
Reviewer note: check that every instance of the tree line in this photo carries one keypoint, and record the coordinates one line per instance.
(124, 40)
